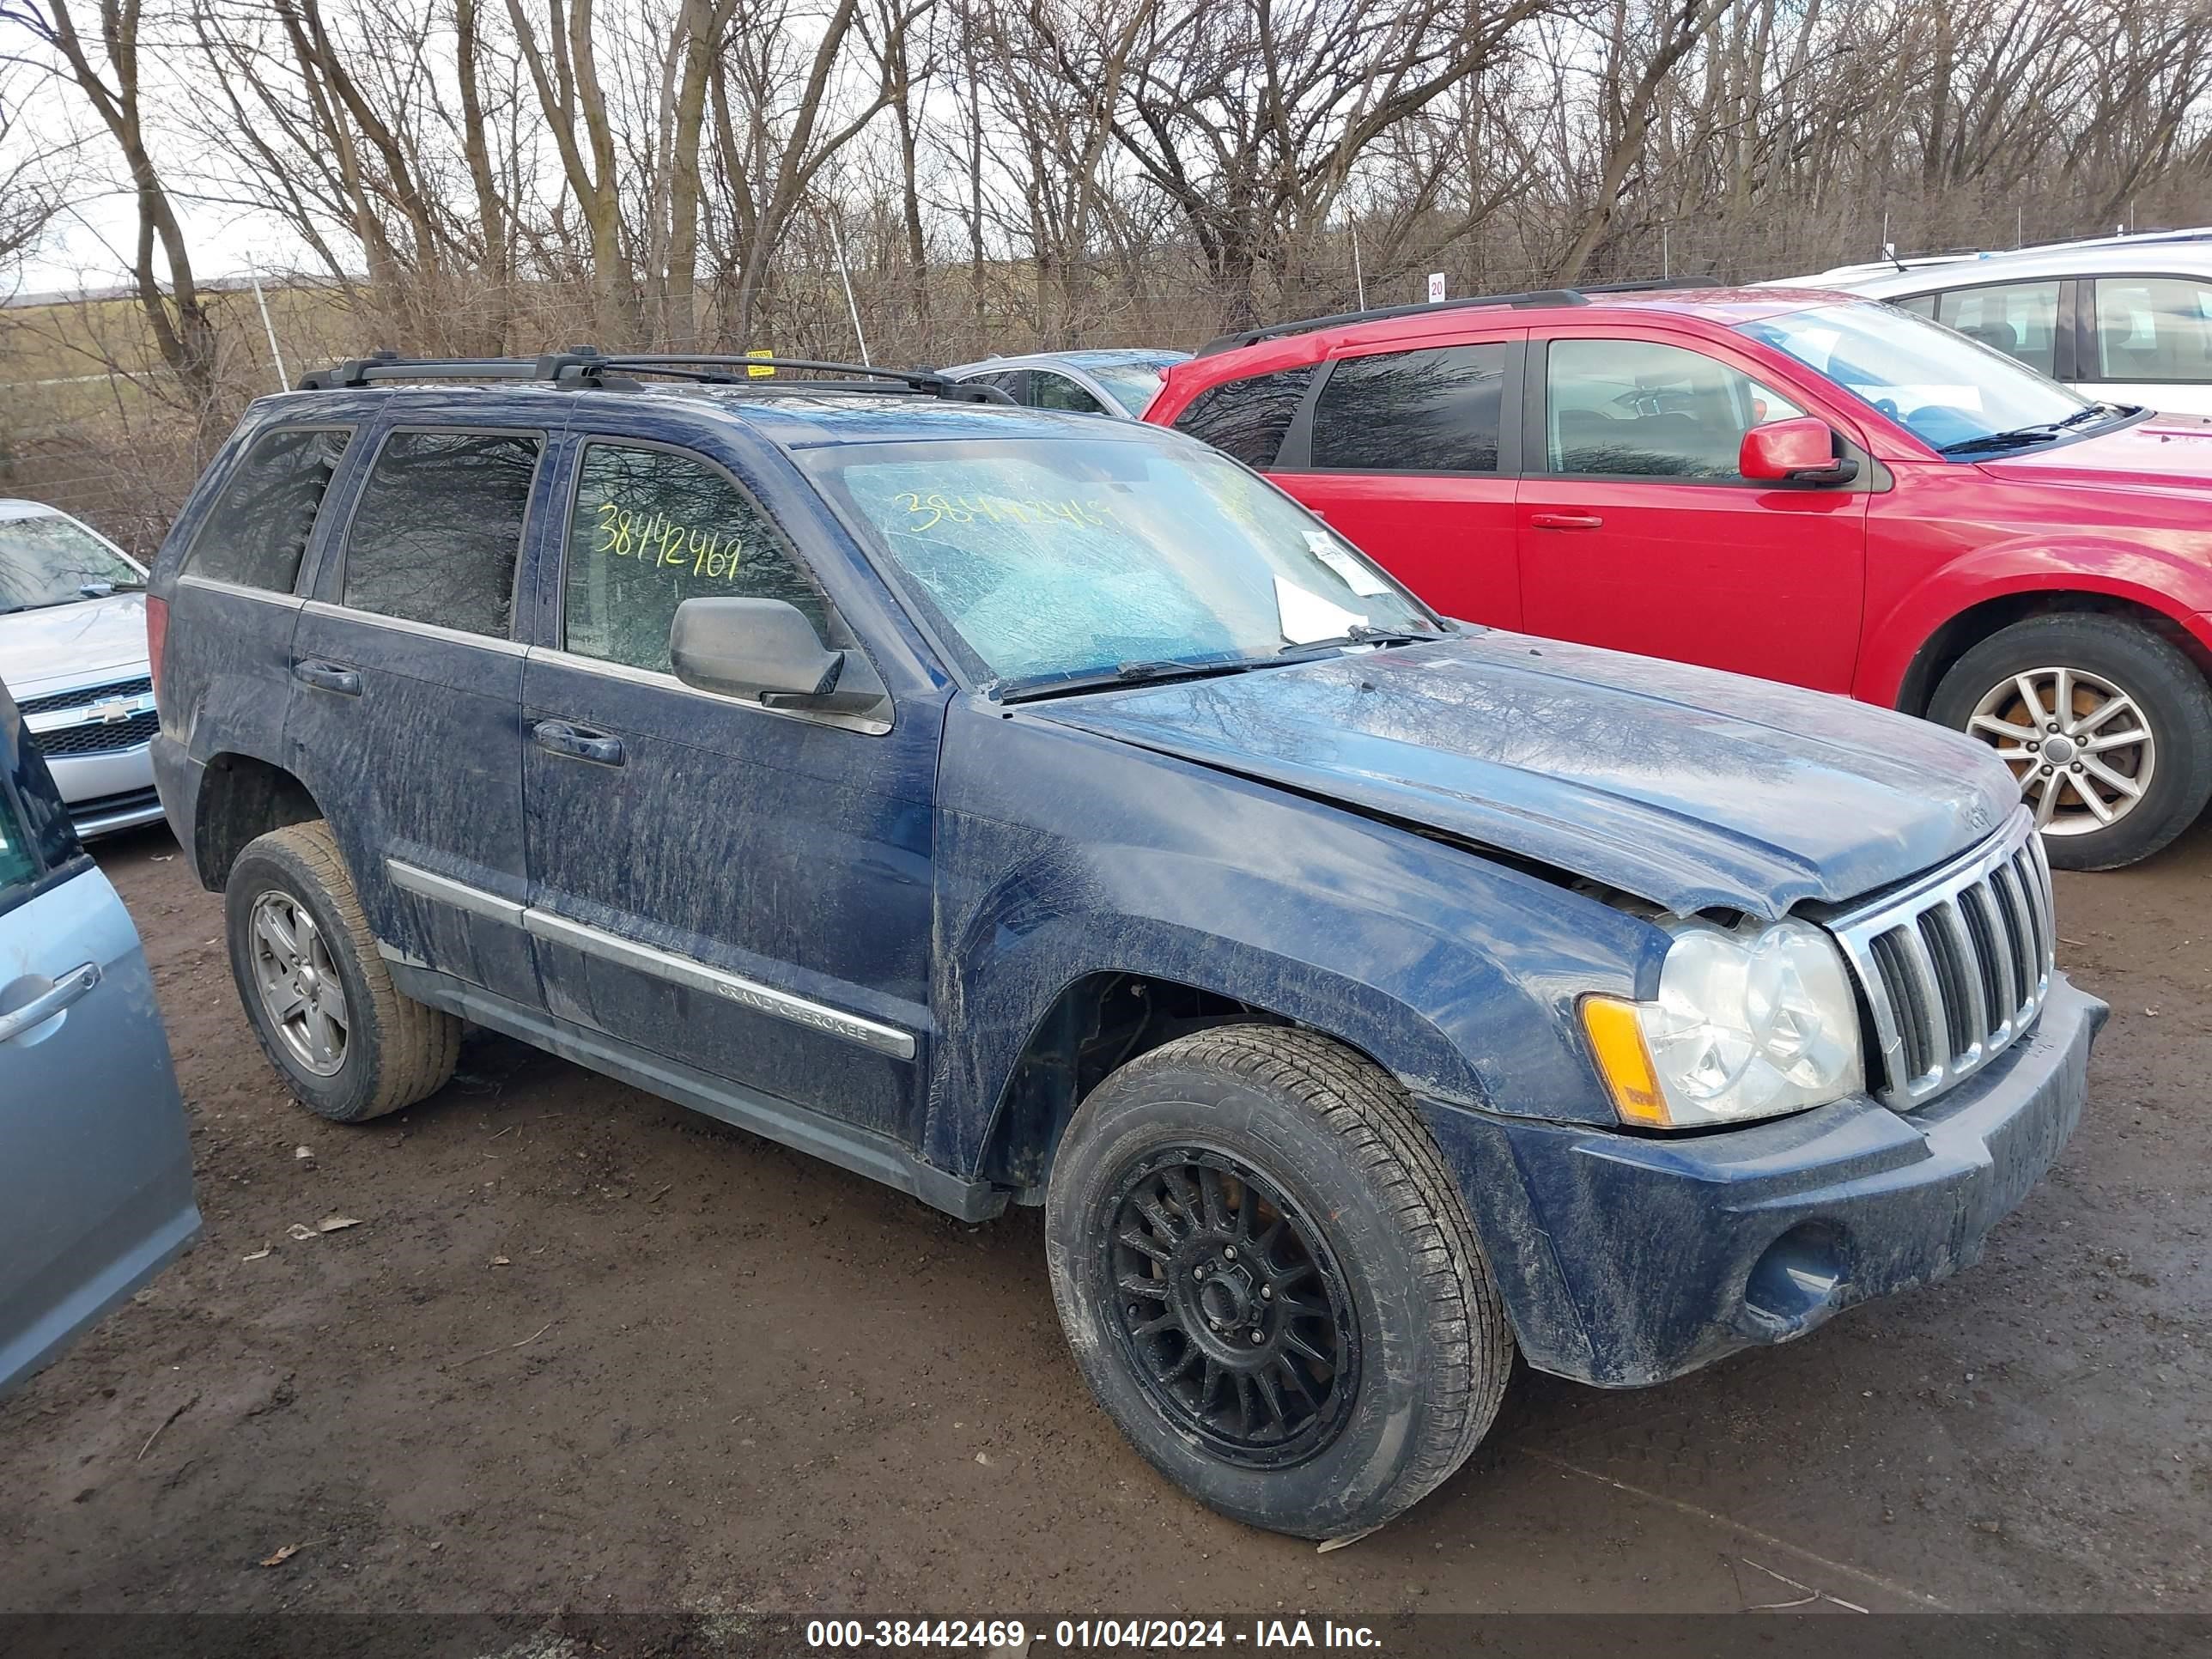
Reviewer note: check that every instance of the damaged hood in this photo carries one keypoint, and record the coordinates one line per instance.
(1683, 785)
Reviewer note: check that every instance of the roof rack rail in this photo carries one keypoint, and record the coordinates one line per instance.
(1529, 297)
(581, 366)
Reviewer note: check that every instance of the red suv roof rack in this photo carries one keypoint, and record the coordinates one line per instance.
(1538, 297)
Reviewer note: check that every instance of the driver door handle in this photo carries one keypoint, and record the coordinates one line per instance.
(1565, 520)
(577, 742)
(49, 1002)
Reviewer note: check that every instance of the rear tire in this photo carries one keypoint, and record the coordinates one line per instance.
(2113, 678)
(296, 934)
(1294, 1221)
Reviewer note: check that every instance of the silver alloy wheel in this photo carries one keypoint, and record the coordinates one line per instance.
(300, 991)
(2079, 745)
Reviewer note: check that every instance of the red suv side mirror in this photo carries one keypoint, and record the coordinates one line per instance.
(1800, 451)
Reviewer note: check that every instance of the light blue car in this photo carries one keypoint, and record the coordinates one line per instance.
(95, 1169)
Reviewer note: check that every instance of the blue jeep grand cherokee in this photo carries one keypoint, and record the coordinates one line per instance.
(1015, 806)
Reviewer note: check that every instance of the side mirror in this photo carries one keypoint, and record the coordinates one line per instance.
(763, 648)
(1801, 451)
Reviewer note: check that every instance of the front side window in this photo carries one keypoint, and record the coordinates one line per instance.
(258, 528)
(439, 529)
(1049, 391)
(1066, 557)
(2155, 330)
(651, 528)
(1427, 411)
(1956, 395)
(2018, 318)
(34, 824)
(1247, 418)
(49, 560)
(1638, 408)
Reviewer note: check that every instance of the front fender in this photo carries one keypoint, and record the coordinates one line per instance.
(2174, 581)
(1062, 854)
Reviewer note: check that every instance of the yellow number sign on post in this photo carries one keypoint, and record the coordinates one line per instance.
(760, 371)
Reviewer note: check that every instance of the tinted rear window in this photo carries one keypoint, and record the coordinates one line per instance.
(439, 527)
(1413, 411)
(259, 525)
(1248, 417)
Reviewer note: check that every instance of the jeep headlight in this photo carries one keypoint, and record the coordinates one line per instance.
(1748, 1023)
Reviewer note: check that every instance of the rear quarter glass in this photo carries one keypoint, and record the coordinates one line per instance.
(258, 528)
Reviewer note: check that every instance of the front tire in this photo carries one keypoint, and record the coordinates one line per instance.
(347, 1043)
(1269, 1280)
(2107, 726)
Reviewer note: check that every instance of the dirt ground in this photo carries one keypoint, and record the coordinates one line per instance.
(586, 1351)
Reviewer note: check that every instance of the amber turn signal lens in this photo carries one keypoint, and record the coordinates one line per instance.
(1617, 1039)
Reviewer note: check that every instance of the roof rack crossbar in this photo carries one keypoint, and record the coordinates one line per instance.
(391, 366)
(587, 366)
(1522, 299)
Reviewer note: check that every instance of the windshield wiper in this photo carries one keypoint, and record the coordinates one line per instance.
(1360, 634)
(2021, 436)
(1127, 673)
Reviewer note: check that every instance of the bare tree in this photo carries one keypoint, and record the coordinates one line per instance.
(34, 177)
(106, 70)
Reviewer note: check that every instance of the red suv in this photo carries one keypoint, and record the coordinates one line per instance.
(1802, 485)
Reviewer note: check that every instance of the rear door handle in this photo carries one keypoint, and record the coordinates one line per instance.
(1565, 520)
(48, 1003)
(559, 737)
(328, 677)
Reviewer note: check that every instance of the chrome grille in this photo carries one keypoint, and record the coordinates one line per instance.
(93, 720)
(101, 737)
(1957, 965)
(85, 695)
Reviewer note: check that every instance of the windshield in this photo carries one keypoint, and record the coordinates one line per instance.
(1942, 388)
(1053, 558)
(51, 560)
(1134, 384)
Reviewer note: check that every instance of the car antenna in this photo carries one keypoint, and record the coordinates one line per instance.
(1889, 253)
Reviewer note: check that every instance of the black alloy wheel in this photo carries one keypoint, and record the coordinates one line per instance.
(1233, 1308)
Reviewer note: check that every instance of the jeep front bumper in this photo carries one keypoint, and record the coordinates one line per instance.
(1626, 1259)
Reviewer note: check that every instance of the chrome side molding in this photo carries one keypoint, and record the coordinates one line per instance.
(651, 959)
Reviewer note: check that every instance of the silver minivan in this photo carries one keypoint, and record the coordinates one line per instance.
(2122, 319)
(95, 1166)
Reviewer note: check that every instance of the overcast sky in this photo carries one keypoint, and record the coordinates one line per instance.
(89, 245)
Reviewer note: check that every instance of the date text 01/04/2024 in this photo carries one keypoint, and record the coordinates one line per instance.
(1011, 1635)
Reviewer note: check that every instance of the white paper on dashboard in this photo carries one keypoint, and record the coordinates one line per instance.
(1308, 616)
